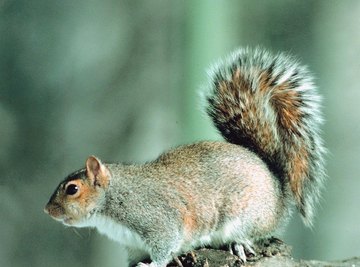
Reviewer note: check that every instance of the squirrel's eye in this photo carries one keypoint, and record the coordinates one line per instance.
(72, 189)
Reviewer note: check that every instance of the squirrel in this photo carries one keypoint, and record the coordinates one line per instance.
(213, 193)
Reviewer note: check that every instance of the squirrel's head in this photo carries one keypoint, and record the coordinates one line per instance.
(80, 194)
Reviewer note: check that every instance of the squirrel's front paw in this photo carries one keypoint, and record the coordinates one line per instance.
(241, 250)
(141, 264)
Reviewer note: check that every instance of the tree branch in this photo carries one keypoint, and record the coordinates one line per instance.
(271, 252)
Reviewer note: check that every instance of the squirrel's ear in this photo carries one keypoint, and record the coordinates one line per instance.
(97, 172)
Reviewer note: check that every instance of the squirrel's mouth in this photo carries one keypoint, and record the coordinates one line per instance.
(63, 219)
(57, 213)
(68, 221)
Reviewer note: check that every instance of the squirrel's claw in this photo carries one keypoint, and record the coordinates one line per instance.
(152, 264)
(178, 262)
(193, 256)
(241, 250)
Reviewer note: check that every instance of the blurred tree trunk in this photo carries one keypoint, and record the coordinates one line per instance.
(79, 78)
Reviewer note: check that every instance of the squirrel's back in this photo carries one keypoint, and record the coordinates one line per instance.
(269, 104)
(222, 192)
(213, 193)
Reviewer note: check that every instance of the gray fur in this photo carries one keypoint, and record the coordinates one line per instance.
(213, 193)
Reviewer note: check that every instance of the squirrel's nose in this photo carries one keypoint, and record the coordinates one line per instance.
(46, 209)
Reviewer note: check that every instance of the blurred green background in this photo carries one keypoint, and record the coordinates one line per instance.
(120, 80)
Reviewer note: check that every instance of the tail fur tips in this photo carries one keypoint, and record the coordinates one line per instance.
(269, 104)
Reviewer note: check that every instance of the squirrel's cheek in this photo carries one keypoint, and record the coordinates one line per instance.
(80, 209)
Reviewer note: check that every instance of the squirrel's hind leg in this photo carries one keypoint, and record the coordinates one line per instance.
(241, 249)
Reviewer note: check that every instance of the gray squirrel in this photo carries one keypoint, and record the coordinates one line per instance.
(213, 193)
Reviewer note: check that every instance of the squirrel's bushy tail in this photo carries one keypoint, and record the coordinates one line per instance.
(269, 104)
